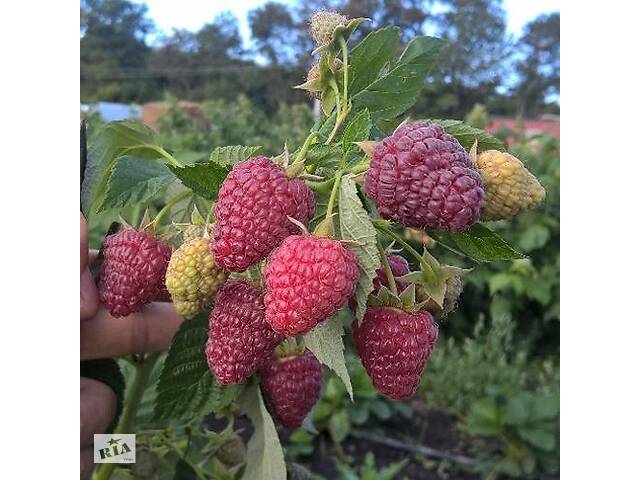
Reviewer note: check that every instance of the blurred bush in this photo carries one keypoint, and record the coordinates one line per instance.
(236, 122)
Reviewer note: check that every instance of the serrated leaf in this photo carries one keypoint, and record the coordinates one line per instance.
(356, 131)
(370, 55)
(356, 227)
(479, 243)
(468, 135)
(109, 144)
(265, 458)
(325, 342)
(186, 388)
(395, 91)
(232, 154)
(323, 155)
(134, 180)
(203, 179)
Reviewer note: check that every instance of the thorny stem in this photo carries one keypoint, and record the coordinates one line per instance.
(380, 225)
(170, 204)
(131, 404)
(387, 269)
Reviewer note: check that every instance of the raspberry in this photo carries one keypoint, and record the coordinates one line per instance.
(399, 267)
(452, 293)
(253, 204)
(394, 347)
(422, 177)
(239, 338)
(323, 24)
(133, 271)
(292, 387)
(193, 277)
(509, 187)
(307, 280)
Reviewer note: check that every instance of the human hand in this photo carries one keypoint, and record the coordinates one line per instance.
(102, 336)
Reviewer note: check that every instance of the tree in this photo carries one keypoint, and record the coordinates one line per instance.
(539, 71)
(478, 45)
(277, 34)
(112, 39)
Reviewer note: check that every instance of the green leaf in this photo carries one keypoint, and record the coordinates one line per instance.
(485, 418)
(479, 243)
(396, 91)
(134, 180)
(203, 179)
(232, 154)
(323, 155)
(357, 130)
(186, 388)
(467, 135)
(265, 459)
(339, 425)
(381, 409)
(325, 342)
(542, 436)
(109, 144)
(357, 229)
(370, 55)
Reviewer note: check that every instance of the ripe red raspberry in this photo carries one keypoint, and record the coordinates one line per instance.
(291, 386)
(251, 213)
(399, 267)
(394, 347)
(307, 280)
(240, 339)
(422, 177)
(133, 271)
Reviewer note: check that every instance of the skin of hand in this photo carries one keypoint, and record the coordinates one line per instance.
(102, 336)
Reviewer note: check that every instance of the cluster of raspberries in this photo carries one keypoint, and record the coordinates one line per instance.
(419, 177)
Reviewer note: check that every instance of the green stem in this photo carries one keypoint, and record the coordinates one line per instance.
(170, 204)
(132, 402)
(387, 231)
(345, 69)
(387, 269)
(305, 148)
(334, 194)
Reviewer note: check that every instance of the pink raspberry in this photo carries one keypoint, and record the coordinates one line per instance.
(251, 212)
(422, 177)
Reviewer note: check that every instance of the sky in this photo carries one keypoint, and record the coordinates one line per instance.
(192, 14)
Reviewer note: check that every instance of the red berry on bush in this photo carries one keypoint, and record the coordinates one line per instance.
(291, 386)
(307, 280)
(422, 177)
(251, 212)
(394, 347)
(399, 267)
(133, 271)
(240, 339)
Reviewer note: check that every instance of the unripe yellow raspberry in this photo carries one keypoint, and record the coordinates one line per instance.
(193, 277)
(509, 187)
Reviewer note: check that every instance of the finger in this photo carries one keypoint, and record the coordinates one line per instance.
(88, 295)
(84, 243)
(97, 409)
(86, 463)
(149, 330)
